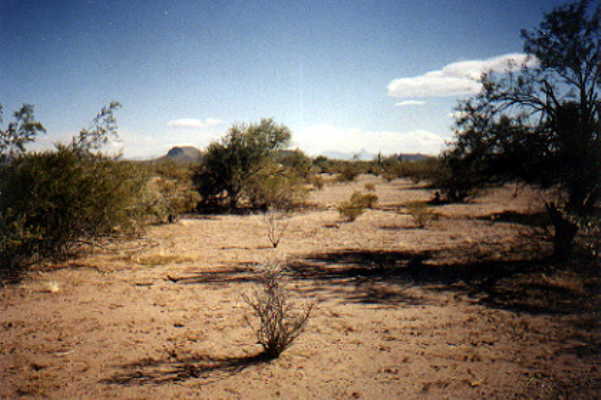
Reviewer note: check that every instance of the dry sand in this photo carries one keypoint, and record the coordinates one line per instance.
(459, 310)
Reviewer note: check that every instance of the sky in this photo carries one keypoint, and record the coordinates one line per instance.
(360, 76)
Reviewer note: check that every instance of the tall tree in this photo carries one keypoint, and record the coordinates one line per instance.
(542, 124)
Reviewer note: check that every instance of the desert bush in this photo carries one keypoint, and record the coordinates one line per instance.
(420, 212)
(348, 172)
(170, 192)
(51, 201)
(368, 200)
(350, 210)
(275, 187)
(279, 323)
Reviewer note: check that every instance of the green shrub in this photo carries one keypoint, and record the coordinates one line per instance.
(51, 201)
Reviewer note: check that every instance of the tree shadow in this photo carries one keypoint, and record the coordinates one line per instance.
(170, 370)
(513, 285)
(537, 220)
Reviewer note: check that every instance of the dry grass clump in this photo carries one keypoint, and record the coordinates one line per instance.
(279, 323)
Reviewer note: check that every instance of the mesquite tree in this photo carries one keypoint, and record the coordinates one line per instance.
(541, 124)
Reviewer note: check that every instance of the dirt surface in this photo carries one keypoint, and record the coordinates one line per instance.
(466, 308)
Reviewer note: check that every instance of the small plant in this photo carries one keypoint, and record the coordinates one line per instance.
(421, 213)
(279, 324)
(276, 226)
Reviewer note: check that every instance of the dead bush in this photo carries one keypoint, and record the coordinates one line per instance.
(277, 223)
(279, 323)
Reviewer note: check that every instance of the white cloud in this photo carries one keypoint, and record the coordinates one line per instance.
(456, 79)
(410, 103)
(193, 123)
(318, 139)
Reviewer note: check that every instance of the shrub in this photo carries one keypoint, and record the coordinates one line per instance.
(51, 201)
(370, 187)
(422, 214)
(275, 187)
(279, 324)
(171, 193)
(348, 172)
(350, 210)
(368, 200)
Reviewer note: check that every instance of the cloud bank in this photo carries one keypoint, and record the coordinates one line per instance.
(318, 139)
(457, 79)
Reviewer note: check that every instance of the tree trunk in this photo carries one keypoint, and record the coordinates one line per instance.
(565, 233)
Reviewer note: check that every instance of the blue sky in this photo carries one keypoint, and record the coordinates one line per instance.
(344, 76)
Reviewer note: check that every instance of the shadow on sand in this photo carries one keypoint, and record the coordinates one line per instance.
(204, 368)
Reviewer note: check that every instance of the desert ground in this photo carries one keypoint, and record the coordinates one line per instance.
(469, 307)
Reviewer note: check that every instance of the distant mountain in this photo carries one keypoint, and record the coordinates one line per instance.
(183, 154)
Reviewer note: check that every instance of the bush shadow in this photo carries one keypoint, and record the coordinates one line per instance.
(172, 369)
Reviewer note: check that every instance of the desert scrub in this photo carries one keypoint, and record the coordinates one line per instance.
(52, 201)
(420, 212)
(279, 323)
